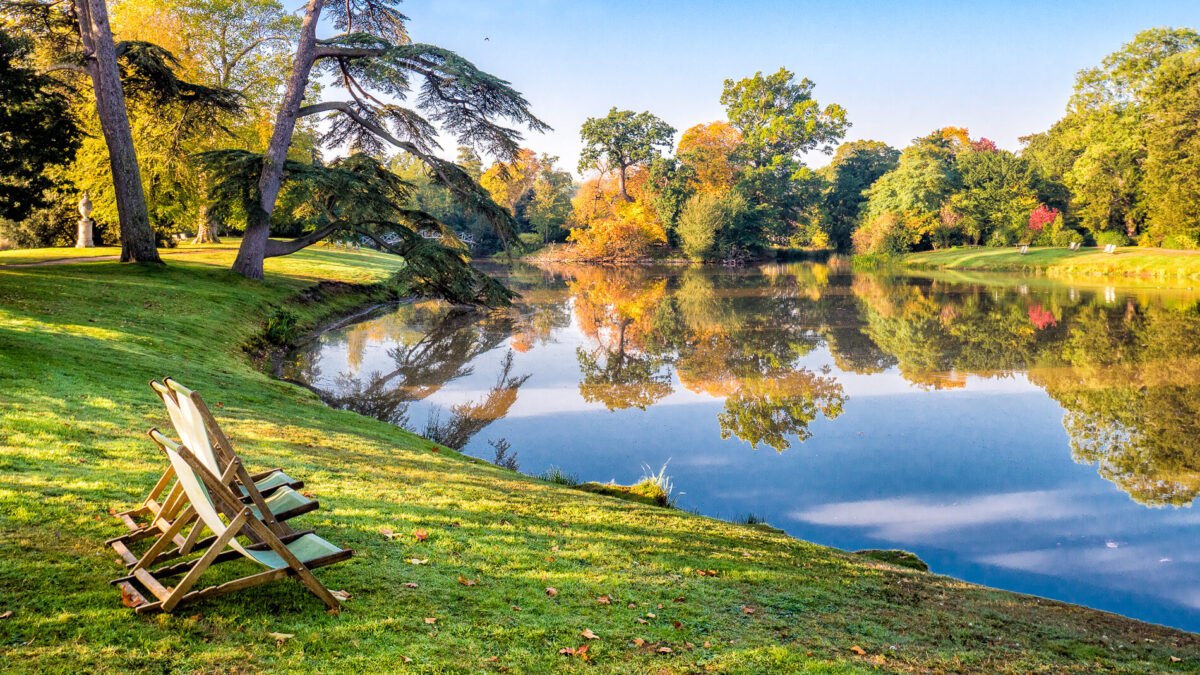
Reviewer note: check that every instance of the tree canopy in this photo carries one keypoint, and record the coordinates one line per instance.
(621, 140)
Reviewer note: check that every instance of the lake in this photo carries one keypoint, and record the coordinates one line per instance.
(1036, 436)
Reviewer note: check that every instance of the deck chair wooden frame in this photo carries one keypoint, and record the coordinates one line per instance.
(205, 491)
(197, 427)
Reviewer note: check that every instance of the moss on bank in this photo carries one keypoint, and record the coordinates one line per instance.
(78, 343)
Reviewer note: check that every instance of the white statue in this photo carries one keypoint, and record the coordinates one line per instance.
(84, 238)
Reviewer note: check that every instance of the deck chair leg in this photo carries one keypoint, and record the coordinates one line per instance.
(161, 484)
(305, 575)
(166, 539)
(192, 538)
(205, 560)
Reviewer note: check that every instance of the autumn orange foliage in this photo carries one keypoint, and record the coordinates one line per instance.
(709, 150)
(508, 182)
(607, 227)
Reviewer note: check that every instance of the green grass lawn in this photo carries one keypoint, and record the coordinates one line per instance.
(78, 343)
(1155, 263)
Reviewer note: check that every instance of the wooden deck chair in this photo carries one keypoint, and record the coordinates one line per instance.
(295, 555)
(270, 495)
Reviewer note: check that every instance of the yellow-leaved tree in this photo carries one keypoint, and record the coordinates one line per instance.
(607, 227)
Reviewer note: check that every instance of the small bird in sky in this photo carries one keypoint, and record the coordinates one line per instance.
(487, 39)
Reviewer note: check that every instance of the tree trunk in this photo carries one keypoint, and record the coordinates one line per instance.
(621, 184)
(206, 228)
(249, 261)
(137, 237)
(206, 225)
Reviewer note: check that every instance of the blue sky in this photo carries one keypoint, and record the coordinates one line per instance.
(901, 69)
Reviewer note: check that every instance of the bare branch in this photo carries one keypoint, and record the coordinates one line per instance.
(278, 248)
(73, 67)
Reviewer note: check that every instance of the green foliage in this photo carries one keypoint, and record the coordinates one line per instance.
(779, 121)
(656, 486)
(620, 140)
(39, 131)
(854, 169)
(1172, 185)
(1106, 238)
(357, 199)
(997, 195)
(895, 557)
(559, 477)
(905, 206)
(700, 220)
(715, 226)
(280, 328)
(1099, 150)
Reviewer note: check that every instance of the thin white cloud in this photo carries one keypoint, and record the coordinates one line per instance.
(913, 519)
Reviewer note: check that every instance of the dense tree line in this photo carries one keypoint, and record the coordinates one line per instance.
(1121, 167)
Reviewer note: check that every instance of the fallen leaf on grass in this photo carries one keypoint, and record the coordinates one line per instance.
(420, 535)
(310, 495)
(580, 651)
(431, 619)
(406, 659)
(468, 582)
(747, 609)
(587, 633)
(641, 620)
(194, 617)
(604, 600)
(638, 642)
(342, 596)
(494, 659)
(129, 599)
(632, 605)
(706, 644)
(419, 561)
(681, 599)
(516, 609)
(678, 625)
(411, 584)
(551, 591)
(665, 650)
(280, 638)
(387, 532)
(858, 650)
(652, 615)
(6, 614)
(1175, 659)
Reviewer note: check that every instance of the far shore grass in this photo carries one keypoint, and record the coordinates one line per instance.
(663, 590)
(1168, 266)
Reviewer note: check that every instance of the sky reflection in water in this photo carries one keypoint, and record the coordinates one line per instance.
(1017, 433)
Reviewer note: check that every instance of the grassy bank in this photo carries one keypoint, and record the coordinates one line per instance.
(1153, 263)
(78, 343)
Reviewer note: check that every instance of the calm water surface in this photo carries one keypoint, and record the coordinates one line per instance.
(1017, 433)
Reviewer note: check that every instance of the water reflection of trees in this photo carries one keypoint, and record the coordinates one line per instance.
(1127, 373)
(740, 337)
(433, 345)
